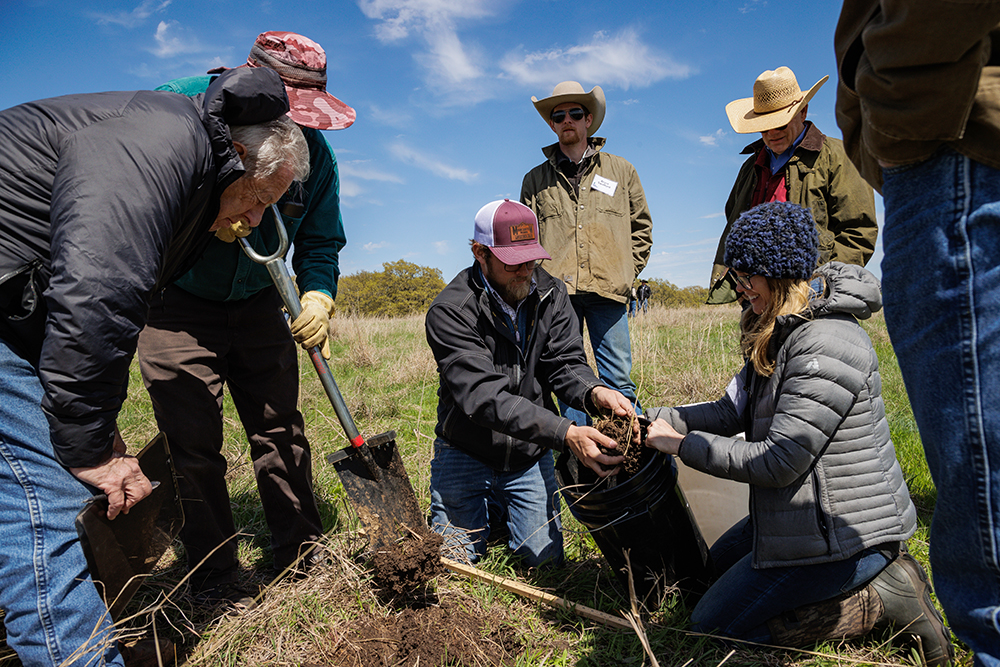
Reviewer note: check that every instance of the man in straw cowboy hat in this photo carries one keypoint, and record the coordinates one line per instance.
(793, 161)
(595, 223)
(222, 324)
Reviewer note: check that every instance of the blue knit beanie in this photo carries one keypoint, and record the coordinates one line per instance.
(776, 239)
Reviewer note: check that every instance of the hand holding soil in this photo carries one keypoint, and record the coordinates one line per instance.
(664, 437)
(594, 449)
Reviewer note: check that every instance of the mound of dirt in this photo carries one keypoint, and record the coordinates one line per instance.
(619, 429)
(406, 567)
(442, 635)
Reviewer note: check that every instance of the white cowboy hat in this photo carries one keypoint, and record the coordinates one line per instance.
(571, 91)
(776, 99)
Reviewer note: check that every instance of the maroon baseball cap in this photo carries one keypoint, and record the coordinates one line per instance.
(301, 63)
(510, 230)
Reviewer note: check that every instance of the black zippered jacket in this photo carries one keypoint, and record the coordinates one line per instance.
(105, 198)
(494, 401)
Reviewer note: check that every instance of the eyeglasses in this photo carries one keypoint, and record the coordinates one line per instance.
(743, 281)
(576, 114)
(514, 268)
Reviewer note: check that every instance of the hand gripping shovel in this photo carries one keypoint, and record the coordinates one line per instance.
(371, 471)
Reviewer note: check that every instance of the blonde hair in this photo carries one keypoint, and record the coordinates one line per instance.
(789, 296)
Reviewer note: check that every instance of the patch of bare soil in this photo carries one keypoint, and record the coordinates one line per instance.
(409, 565)
(619, 429)
(442, 635)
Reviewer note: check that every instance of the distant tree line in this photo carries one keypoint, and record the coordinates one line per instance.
(668, 295)
(400, 288)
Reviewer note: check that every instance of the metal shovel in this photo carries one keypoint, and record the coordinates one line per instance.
(371, 471)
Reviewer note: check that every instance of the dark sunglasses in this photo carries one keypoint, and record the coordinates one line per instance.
(576, 114)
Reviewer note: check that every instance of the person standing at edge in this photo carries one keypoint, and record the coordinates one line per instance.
(919, 105)
(593, 218)
(87, 233)
(793, 161)
(222, 324)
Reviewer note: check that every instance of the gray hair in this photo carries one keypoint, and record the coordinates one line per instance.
(272, 145)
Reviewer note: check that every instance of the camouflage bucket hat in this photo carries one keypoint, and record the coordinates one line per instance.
(301, 63)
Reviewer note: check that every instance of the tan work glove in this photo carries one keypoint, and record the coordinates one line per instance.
(312, 326)
(237, 230)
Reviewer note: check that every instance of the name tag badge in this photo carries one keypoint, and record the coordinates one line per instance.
(605, 185)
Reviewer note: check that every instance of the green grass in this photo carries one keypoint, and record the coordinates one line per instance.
(388, 378)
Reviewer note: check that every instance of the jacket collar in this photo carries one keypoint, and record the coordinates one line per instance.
(813, 141)
(550, 151)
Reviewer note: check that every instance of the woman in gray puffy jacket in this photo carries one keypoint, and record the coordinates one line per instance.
(822, 554)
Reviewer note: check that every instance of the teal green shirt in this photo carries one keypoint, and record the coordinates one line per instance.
(225, 273)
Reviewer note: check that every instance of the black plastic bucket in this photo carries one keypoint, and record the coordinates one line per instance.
(645, 515)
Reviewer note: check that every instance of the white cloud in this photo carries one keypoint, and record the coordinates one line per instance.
(135, 17)
(423, 160)
(621, 60)
(372, 247)
(362, 169)
(448, 61)
(172, 40)
(712, 139)
(752, 5)
(717, 214)
(442, 247)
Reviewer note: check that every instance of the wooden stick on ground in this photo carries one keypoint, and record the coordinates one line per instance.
(538, 595)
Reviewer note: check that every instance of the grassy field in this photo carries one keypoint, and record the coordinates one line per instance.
(387, 376)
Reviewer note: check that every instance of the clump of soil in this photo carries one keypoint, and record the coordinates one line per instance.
(619, 429)
(441, 635)
(408, 565)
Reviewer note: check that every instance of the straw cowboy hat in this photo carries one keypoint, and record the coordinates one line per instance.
(571, 91)
(776, 99)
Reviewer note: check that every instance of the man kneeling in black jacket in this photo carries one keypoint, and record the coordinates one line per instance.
(505, 338)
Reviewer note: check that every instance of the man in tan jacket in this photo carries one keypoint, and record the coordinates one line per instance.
(594, 221)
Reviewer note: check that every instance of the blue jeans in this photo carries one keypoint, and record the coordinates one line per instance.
(607, 324)
(941, 285)
(53, 610)
(461, 487)
(741, 601)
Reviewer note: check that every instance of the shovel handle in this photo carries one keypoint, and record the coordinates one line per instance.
(275, 264)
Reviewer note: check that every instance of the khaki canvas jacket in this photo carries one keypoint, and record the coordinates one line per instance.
(916, 75)
(821, 178)
(599, 243)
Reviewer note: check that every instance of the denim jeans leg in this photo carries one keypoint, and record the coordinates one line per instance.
(941, 285)
(53, 610)
(607, 325)
(460, 486)
(532, 500)
(742, 599)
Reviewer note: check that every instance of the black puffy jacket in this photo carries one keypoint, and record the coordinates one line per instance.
(494, 401)
(105, 198)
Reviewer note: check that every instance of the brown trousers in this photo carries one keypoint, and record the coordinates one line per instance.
(189, 349)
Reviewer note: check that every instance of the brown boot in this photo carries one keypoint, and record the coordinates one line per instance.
(904, 591)
(844, 617)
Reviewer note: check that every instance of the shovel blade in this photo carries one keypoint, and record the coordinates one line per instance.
(386, 507)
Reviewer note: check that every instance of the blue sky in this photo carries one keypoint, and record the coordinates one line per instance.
(443, 89)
